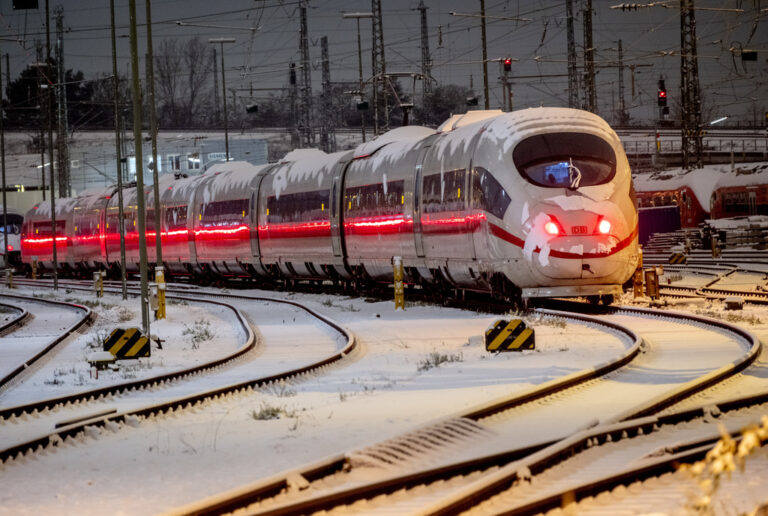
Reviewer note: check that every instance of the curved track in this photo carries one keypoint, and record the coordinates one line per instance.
(70, 415)
(43, 331)
(480, 439)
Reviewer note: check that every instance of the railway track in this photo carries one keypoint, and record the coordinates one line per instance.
(36, 334)
(13, 322)
(69, 416)
(464, 449)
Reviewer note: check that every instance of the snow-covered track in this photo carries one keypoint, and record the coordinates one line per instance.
(96, 419)
(599, 460)
(82, 317)
(325, 489)
(15, 322)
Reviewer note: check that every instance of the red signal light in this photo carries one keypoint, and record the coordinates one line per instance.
(10, 247)
(507, 64)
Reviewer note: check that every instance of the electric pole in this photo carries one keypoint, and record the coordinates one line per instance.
(65, 183)
(216, 112)
(328, 126)
(486, 101)
(49, 114)
(380, 105)
(689, 88)
(305, 111)
(157, 218)
(590, 99)
(573, 78)
(140, 194)
(118, 160)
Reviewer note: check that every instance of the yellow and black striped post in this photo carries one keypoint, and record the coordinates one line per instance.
(34, 269)
(9, 277)
(677, 259)
(511, 335)
(127, 343)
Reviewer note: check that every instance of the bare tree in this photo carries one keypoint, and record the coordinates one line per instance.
(181, 74)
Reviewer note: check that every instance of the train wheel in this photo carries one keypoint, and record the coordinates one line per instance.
(607, 299)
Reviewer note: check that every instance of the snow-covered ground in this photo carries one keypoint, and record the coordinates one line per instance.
(411, 367)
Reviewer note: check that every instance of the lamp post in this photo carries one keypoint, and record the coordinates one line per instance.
(221, 42)
(357, 16)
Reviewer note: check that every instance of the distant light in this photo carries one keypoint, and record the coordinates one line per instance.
(10, 247)
(713, 122)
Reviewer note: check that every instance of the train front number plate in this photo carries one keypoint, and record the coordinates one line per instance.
(579, 230)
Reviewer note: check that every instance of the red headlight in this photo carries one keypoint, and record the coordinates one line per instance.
(604, 227)
(551, 228)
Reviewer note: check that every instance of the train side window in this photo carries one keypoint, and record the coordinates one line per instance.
(565, 160)
(443, 191)
(488, 194)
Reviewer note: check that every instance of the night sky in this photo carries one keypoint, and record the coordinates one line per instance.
(260, 60)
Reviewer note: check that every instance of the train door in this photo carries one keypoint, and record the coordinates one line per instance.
(337, 194)
(418, 235)
(253, 223)
(752, 202)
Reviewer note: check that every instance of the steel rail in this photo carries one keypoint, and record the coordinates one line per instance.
(49, 403)
(259, 490)
(62, 433)
(242, 496)
(14, 323)
(83, 321)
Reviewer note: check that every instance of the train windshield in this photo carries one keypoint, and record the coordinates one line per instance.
(14, 223)
(565, 160)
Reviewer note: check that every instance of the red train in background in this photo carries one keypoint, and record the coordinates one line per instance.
(712, 193)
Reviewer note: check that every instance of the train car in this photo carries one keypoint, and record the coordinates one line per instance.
(38, 230)
(714, 192)
(534, 203)
(10, 237)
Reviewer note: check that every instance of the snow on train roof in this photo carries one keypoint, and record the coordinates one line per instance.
(301, 165)
(470, 117)
(703, 181)
(409, 133)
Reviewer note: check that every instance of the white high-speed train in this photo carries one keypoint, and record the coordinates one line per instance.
(533, 203)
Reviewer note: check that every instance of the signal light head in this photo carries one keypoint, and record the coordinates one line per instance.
(10, 247)
(604, 227)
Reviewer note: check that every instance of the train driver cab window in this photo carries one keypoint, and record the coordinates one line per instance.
(565, 160)
(14, 224)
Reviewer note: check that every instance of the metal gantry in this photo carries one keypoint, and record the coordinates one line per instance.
(426, 59)
(62, 128)
(573, 77)
(379, 68)
(690, 99)
(305, 111)
(328, 126)
(590, 94)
